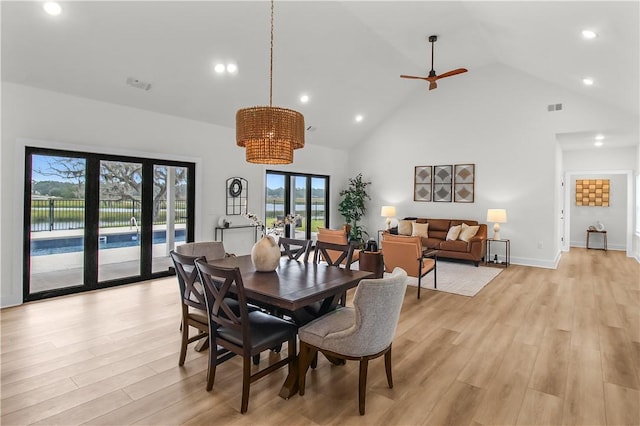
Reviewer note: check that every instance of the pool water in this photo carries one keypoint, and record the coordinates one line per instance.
(105, 242)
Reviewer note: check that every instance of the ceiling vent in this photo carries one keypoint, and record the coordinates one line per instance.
(138, 84)
(554, 107)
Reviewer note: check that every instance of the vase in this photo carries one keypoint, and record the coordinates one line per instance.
(265, 255)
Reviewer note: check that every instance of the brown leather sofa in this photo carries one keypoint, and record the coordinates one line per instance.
(473, 250)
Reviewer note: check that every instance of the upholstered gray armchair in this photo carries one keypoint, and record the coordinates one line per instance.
(212, 250)
(360, 333)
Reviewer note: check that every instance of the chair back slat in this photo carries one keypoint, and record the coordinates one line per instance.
(191, 290)
(295, 248)
(334, 254)
(220, 286)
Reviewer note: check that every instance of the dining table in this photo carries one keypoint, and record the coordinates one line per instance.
(291, 287)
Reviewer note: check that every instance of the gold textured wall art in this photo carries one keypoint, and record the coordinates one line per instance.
(592, 192)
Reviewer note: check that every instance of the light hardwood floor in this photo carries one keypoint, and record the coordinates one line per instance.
(535, 346)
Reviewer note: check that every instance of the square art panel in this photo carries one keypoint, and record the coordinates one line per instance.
(422, 183)
(592, 192)
(464, 183)
(442, 181)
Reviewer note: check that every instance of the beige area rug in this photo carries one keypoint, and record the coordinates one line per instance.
(458, 278)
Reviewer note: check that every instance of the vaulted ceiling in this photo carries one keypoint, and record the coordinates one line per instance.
(345, 55)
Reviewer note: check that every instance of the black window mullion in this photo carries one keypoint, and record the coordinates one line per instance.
(91, 221)
(307, 206)
(146, 215)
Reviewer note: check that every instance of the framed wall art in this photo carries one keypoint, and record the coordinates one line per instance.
(442, 181)
(422, 183)
(592, 192)
(464, 176)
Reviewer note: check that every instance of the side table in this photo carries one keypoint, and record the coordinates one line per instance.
(604, 236)
(507, 253)
(372, 261)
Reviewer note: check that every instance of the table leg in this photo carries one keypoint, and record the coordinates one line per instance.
(290, 385)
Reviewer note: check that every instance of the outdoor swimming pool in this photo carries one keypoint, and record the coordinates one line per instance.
(75, 244)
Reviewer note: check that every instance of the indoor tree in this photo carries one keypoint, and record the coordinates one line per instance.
(353, 207)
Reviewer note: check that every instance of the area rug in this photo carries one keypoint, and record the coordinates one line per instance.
(464, 279)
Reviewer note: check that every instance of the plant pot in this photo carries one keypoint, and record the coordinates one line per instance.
(265, 255)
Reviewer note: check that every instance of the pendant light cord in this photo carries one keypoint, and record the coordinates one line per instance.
(271, 61)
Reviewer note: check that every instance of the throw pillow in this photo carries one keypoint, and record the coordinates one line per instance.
(467, 232)
(404, 227)
(420, 230)
(454, 233)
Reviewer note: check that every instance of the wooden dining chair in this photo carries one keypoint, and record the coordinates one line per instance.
(194, 309)
(334, 254)
(360, 333)
(295, 248)
(336, 236)
(245, 333)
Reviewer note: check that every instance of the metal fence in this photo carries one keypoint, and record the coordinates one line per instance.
(61, 214)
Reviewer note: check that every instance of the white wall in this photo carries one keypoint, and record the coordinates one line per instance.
(496, 118)
(49, 119)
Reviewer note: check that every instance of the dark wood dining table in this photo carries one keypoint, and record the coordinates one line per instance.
(291, 287)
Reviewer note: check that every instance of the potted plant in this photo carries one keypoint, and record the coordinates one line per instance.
(353, 207)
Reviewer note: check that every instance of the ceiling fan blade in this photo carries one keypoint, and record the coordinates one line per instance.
(413, 76)
(433, 85)
(453, 72)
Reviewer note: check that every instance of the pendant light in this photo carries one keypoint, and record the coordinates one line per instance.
(269, 134)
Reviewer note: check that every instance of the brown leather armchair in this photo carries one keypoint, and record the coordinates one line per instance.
(406, 252)
(336, 236)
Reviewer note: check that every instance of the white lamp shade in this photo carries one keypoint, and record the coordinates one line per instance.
(388, 211)
(497, 215)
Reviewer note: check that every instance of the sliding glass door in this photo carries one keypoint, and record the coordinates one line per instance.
(303, 195)
(94, 220)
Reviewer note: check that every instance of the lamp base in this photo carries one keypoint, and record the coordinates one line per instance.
(496, 231)
(388, 223)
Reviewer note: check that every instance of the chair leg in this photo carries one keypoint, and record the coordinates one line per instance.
(314, 361)
(419, 281)
(387, 367)
(213, 361)
(256, 359)
(184, 343)
(362, 390)
(246, 383)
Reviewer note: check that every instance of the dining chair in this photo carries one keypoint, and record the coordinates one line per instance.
(406, 252)
(334, 254)
(361, 333)
(295, 248)
(212, 250)
(245, 333)
(336, 236)
(193, 306)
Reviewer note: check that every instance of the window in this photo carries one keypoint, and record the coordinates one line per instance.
(94, 220)
(299, 194)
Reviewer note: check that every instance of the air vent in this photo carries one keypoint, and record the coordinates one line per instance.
(138, 84)
(554, 107)
(311, 128)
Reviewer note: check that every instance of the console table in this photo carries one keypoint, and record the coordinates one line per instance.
(229, 228)
(604, 236)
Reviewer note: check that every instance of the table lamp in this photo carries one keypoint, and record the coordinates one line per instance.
(388, 212)
(497, 216)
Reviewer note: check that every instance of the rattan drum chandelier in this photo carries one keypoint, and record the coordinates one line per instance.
(269, 134)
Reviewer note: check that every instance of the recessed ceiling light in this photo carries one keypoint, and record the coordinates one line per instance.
(588, 81)
(599, 137)
(219, 68)
(304, 99)
(598, 143)
(232, 68)
(359, 118)
(588, 34)
(52, 8)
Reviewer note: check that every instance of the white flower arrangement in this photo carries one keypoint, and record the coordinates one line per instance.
(277, 224)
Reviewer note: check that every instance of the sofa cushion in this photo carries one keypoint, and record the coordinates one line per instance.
(432, 243)
(468, 232)
(453, 245)
(420, 230)
(405, 227)
(454, 233)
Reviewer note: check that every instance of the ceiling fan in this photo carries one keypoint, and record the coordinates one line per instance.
(432, 77)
